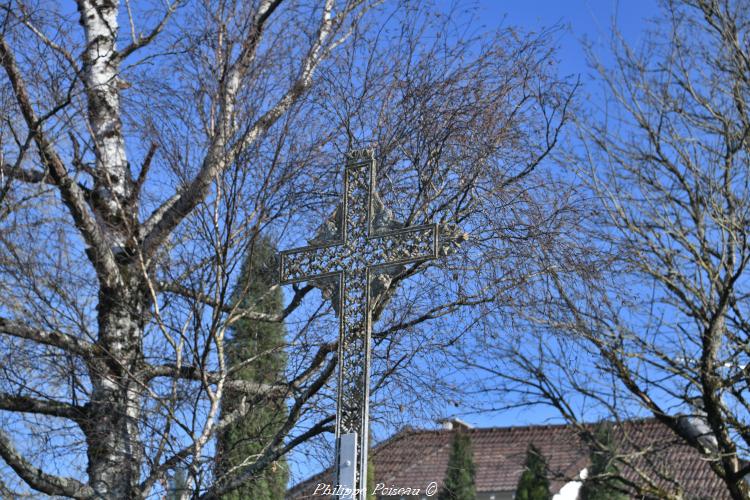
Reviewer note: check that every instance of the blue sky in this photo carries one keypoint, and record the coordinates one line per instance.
(582, 22)
(589, 20)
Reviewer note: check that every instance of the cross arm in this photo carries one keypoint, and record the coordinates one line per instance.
(310, 262)
(403, 246)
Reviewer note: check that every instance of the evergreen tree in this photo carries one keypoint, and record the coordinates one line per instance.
(601, 482)
(264, 341)
(459, 478)
(533, 484)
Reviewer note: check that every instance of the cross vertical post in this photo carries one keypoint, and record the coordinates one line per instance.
(365, 244)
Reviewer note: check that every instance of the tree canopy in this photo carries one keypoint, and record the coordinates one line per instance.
(640, 309)
(145, 146)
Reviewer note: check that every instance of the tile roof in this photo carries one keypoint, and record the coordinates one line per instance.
(414, 458)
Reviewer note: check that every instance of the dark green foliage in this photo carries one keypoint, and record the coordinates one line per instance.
(533, 484)
(264, 341)
(459, 478)
(601, 482)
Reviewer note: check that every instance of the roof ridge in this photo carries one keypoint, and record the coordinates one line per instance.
(530, 426)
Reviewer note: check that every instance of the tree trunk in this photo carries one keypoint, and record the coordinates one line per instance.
(112, 433)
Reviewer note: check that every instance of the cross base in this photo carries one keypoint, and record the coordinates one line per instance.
(347, 467)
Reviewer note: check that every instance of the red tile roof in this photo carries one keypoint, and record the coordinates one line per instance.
(414, 458)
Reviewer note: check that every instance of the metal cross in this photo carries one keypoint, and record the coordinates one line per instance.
(365, 244)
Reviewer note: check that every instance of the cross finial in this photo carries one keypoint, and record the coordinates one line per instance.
(360, 155)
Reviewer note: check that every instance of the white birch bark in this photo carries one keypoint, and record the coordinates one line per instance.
(112, 431)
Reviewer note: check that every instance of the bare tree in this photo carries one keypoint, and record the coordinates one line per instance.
(642, 304)
(144, 149)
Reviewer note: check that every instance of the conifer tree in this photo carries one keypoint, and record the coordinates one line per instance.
(601, 482)
(533, 484)
(263, 341)
(459, 478)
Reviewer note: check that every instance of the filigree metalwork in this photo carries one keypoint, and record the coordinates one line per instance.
(351, 259)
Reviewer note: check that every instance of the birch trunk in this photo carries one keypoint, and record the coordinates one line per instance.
(112, 182)
(112, 432)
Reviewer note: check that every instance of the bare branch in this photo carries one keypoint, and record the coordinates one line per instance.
(37, 478)
(34, 177)
(55, 339)
(202, 375)
(103, 259)
(27, 404)
(143, 41)
(237, 313)
(220, 154)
